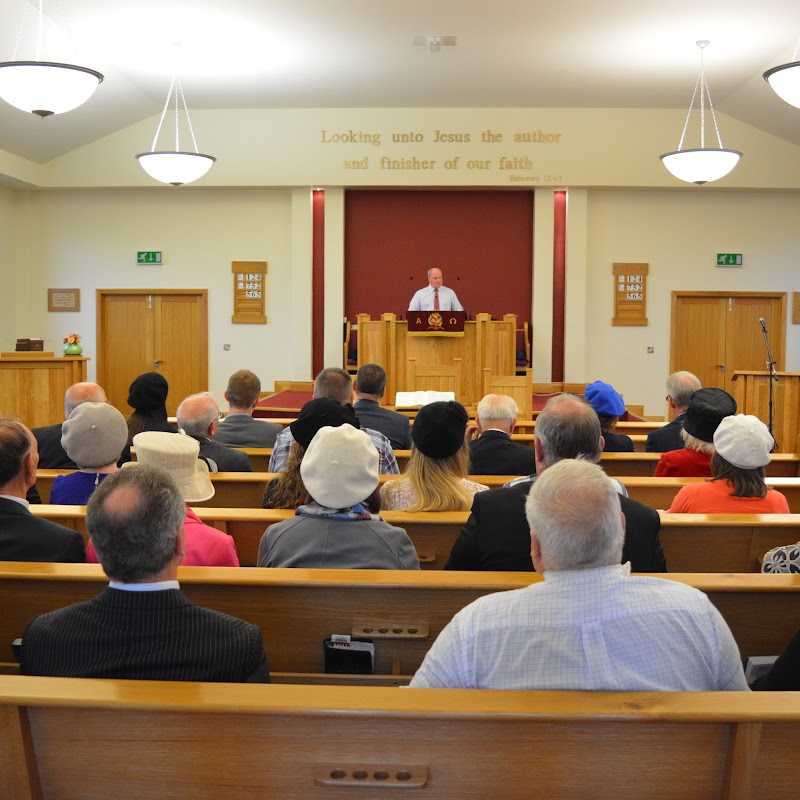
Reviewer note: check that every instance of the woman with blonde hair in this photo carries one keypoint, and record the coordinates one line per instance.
(436, 476)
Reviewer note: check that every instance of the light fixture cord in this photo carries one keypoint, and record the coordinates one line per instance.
(163, 114)
(705, 93)
(19, 32)
(188, 118)
(69, 30)
(796, 46)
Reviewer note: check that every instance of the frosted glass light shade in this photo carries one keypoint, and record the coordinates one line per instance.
(175, 167)
(702, 165)
(785, 82)
(46, 88)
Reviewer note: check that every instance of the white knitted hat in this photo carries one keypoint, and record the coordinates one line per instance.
(744, 441)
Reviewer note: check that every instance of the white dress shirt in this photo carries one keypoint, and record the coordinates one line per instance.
(597, 629)
(423, 300)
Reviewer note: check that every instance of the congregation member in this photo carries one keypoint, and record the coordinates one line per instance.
(336, 384)
(288, 489)
(680, 388)
(142, 626)
(743, 444)
(93, 436)
(496, 536)
(24, 537)
(707, 408)
(784, 674)
(147, 396)
(435, 478)
(589, 625)
(179, 456)
(48, 437)
(434, 296)
(609, 406)
(493, 452)
(339, 528)
(369, 386)
(198, 417)
(239, 429)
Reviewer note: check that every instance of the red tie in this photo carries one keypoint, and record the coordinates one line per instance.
(435, 299)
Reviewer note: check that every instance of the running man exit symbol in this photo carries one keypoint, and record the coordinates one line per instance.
(152, 257)
(729, 259)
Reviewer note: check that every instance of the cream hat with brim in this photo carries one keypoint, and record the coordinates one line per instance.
(177, 455)
(340, 467)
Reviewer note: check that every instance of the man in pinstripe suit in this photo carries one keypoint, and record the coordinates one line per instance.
(142, 626)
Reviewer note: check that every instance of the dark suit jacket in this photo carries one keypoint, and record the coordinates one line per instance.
(395, 427)
(667, 438)
(495, 454)
(617, 443)
(157, 635)
(51, 454)
(24, 537)
(226, 459)
(241, 430)
(497, 536)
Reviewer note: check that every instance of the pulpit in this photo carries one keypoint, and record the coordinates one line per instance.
(32, 386)
(751, 390)
(462, 357)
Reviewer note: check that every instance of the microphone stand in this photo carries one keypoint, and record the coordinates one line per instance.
(773, 376)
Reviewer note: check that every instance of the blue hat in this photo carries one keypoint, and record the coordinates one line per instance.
(605, 399)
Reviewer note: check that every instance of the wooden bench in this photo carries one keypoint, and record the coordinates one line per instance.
(405, 611)
(640, 465)
(67, 737)
(692, 542)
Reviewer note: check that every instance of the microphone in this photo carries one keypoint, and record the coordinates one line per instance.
(763, 323)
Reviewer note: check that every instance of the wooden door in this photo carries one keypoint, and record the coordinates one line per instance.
(160, 331)
(716, 333)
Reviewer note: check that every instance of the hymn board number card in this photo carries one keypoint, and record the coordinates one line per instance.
(249, 278)
(630, 294)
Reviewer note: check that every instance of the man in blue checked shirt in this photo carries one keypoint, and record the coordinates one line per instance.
(589, 624)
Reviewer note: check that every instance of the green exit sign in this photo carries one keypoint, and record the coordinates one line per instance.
(729, 260)
(152, 257)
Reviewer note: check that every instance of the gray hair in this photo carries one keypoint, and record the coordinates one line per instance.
(134, 517)
(15, 444)
(196, 417)
(693, 443)
(681, 386)
(83, 392)
(497, 408)
(574, 511)
(334, 383)
(568, 427)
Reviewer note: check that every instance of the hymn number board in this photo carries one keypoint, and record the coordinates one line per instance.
(630, 294)
(249, 278)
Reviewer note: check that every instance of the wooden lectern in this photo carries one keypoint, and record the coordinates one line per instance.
(751, 390)
(32, 387)
(460, 361)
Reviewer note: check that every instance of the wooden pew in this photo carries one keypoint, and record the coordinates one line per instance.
(67, 737)
(640, 465)
(692, 542)
(297, 609)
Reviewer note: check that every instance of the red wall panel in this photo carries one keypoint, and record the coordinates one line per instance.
(481, 240)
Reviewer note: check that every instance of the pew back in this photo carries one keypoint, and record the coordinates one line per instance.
(402, 612)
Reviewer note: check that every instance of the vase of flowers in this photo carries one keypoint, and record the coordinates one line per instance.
(72, 345)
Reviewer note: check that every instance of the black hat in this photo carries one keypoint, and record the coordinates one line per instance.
(321, 413)
(438, 430)
(148, 392)
(707, 408)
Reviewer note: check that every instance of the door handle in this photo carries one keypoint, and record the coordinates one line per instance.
(160, 361)
(722, 367)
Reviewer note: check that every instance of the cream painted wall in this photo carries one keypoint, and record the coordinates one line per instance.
(678, 234)
(8, 244)
(89, 239)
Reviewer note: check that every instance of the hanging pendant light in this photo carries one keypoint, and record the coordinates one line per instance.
(43, 87)
(785, 79)
(701, 165)
(176, 166)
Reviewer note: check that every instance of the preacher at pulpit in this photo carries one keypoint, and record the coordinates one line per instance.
(435, 297)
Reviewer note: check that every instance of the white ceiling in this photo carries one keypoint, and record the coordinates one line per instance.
(361, 53)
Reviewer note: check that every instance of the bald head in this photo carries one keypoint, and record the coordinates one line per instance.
(567, 427)
(84, 392)
(198, 415)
